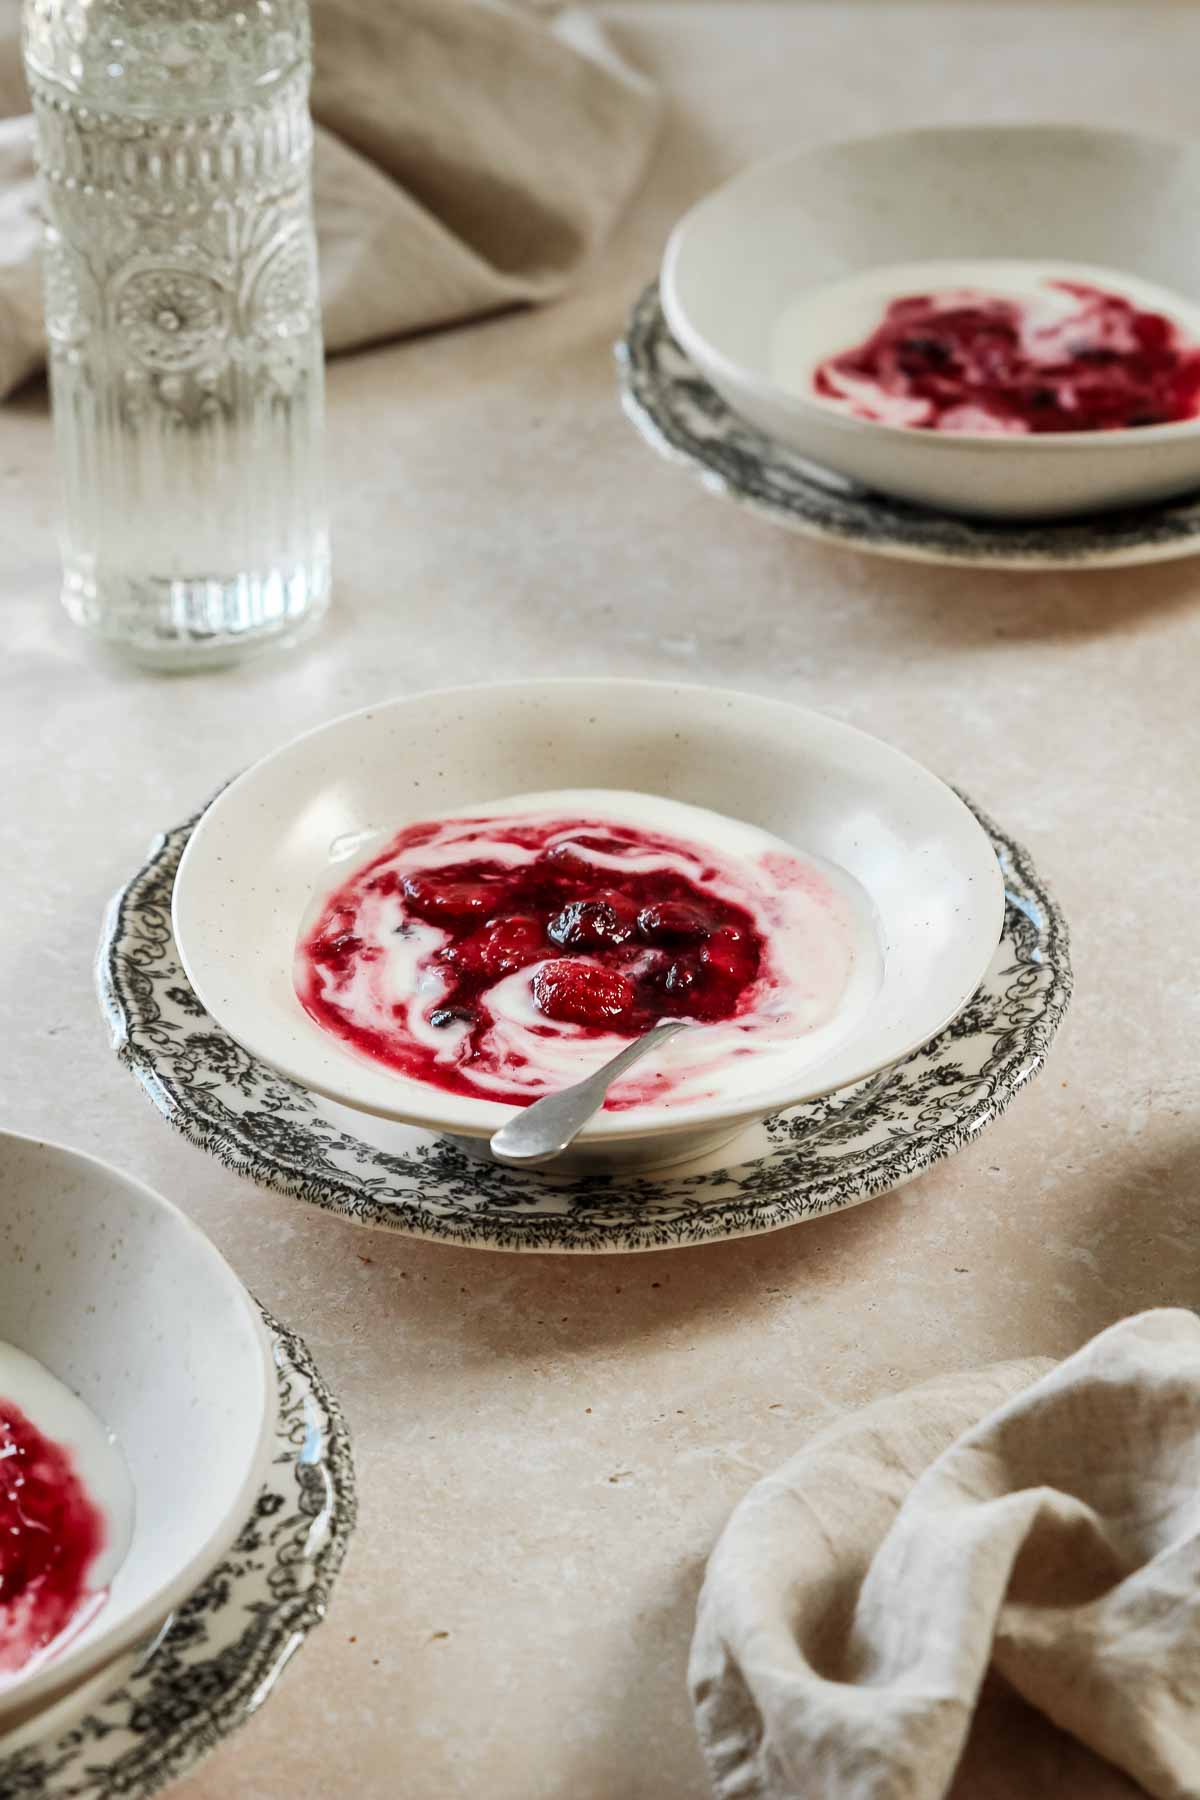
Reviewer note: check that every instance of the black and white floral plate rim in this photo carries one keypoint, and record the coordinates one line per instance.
(221, 1652)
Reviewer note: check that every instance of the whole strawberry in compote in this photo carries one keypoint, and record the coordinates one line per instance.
(583, 993)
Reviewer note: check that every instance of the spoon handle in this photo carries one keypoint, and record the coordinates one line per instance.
(540, 1132)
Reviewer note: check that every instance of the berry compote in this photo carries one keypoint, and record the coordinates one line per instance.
(504, 955)
(50, 1533)
(969, 361)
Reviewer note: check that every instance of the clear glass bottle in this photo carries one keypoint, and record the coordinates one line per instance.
(183, 319)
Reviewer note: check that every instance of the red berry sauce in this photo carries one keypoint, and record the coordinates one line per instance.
(976, 362)
(610, 950)
(50, 1532)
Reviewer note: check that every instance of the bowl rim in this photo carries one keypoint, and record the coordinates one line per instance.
(440, 1113)
(60, 1674)
(709, 356)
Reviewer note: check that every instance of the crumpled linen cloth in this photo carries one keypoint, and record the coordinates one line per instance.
(988, 1586)
(469, 156)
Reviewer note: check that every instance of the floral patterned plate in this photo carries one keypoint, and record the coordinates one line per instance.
(821, 1156)
(686, 420)
(220, 1654)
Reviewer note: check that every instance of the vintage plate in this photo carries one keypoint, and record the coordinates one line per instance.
(219, 1656)
(686, 420)
(814, 1159)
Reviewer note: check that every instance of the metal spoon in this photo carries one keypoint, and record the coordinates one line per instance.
(544, 1130)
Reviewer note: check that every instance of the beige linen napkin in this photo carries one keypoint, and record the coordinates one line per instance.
(1026, 1533)
(470, 155)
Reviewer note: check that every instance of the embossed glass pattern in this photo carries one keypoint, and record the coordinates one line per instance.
(183, 318)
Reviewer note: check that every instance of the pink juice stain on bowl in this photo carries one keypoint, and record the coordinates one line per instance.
(51, 1532)
(968, 361)
(502, 956)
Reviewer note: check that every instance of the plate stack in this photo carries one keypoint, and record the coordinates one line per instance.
(185, 1454)
(779, 273)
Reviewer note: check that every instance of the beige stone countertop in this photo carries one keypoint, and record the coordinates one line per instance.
(548, 1446)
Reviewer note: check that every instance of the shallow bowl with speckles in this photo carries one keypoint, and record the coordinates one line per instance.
(810, 220)
(272, 839)
(126, 1302)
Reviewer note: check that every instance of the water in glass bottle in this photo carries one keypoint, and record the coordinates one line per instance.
(183, 319)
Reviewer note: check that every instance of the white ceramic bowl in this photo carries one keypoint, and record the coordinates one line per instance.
(126, 1302)
(1043, 194)
(263, 849)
